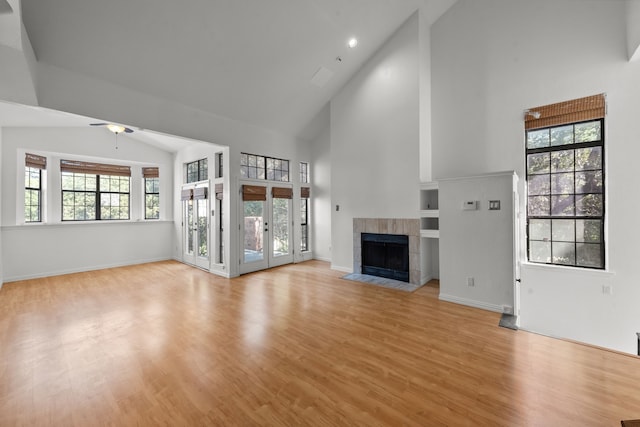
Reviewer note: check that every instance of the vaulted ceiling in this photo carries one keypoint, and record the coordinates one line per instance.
(247, 60)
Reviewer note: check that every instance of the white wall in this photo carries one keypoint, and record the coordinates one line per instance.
(495, 58)
(53, 247)
(17, 59)
(633, 29)
(477, 244)
(321, 195)
(375, 142)
(1, 239)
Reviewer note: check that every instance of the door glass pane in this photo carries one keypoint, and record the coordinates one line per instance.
(253, 231)
(203, 239)
(189, 225)
(280, 227)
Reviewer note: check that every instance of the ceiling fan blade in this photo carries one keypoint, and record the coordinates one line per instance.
(98, 124)
(127, 130)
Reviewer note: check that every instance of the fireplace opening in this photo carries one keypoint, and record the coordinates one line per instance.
(386, 255)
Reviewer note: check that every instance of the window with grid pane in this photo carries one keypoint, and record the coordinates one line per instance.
(34, 168)
(151, 177)
(32, 194)
(261, 167)
(94, 191)
(197, 171)
(565, 193)
(304, 172)
(304, 219)
(252, 166)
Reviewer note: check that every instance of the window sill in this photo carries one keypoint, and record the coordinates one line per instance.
(84, 223)
(563, 269)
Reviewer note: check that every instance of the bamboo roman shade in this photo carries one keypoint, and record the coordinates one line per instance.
(282, 193)
(305, 192)
(219, 190)
(151, 172)
(254, 193)
(200, 193)
(94, 168)
(35, 161)
(577, 110)
(186, 194)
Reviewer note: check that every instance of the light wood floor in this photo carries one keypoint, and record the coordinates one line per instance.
(166, 344)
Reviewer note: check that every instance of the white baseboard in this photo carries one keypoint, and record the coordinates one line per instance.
(340, 268)
(472, 303)
(78, 270)
(424, 279)
(319, 258)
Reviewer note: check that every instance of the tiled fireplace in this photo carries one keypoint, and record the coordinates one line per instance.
(399, 226)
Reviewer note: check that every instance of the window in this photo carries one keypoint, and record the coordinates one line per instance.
(151, 193)
(304, 218)
(219, 204)
(261, 167)
(87, 186)
(565, 188)
(304, 207)
(197, 171)
(277, 169)
(33, 170)
(219, 165)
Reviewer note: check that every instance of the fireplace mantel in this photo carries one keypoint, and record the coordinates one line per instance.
(403, 226)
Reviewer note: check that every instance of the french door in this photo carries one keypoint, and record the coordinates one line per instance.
(265, 227)
(195, 225)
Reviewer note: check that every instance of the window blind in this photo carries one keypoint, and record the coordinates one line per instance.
(151, 172)
(577, 110)
(282, 193)
(254, 193)
(219, 190)
(201, 193)
(35, 161)
(94, 168)
(186, 194)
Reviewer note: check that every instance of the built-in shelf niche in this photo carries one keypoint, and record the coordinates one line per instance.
(429, 212)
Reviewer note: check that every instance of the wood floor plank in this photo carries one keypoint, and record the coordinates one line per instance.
(167, 344)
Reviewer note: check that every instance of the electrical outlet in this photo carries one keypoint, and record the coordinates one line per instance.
(607, 289)
(470, 282)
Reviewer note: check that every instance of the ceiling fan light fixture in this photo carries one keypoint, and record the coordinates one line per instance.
(115, 128)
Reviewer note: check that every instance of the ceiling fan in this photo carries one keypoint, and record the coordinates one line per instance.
(113, 128)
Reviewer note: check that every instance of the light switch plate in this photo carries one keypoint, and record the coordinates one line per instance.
(469, 205)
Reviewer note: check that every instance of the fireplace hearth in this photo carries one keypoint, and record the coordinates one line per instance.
(386, 255)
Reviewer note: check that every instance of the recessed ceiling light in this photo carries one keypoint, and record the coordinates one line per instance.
(353, 42)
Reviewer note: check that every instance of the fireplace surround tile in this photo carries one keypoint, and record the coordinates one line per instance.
(402, 226)
(371, 225)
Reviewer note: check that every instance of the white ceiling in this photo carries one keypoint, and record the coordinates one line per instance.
(247, 60)
(16, 115)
